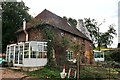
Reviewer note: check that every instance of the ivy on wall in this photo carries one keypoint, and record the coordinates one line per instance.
(60, 45)
(49, 35)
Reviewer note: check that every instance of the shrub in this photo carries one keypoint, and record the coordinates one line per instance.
(116, 56)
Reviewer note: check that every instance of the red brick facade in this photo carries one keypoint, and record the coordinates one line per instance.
(75, 38)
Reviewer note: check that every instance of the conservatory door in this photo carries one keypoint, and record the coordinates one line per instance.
(16, 54)
(19, 54)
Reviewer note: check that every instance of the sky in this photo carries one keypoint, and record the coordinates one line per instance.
(80, 9)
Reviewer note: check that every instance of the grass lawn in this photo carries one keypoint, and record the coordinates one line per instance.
(99, 72)
(46, 72)
(86, 72)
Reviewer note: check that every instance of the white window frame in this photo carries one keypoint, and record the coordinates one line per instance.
(69, 55)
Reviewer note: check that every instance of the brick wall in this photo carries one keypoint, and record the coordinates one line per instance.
(35, 34)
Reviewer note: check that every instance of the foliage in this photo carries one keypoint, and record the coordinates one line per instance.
(75, 47)
(58, 44)
(102, 39)
(46, 72)
(107, 37)
(97, 72)
(91, 25)
(107, 56)
(65, 42)
(13, 14)
(71, 21)
(116, 56)
(48, 33)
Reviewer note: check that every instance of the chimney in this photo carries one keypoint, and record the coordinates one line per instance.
(80, 25)
(83, 29)
(24, 28)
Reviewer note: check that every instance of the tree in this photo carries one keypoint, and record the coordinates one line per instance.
(13, 14)
(91, 25)
(107, 37)
(102, 39)
(72, 22)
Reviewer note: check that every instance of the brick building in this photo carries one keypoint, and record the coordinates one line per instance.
(67, 40)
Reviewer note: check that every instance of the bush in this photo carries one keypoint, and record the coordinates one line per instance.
(116, 56)
(107, 56)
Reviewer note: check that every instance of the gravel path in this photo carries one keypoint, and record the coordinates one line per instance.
(8, 73)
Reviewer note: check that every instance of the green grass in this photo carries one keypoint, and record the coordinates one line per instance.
(85, 72)
(98, 72)
(46, 72)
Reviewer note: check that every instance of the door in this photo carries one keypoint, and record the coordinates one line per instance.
(16, 54)
(19, 54)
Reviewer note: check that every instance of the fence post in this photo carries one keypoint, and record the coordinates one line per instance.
(109, 72)
(78, 67)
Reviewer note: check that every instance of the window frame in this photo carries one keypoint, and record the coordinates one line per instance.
(69, 55)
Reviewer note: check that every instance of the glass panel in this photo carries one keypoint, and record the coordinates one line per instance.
(33, 54)
(40, 55)
(45, 48)
(44, 55)
(98, 55)
(101, 55)
(26, 46)
(20, 58)
(26, 50)
(69, 55)
(7, 52)
(21, 48)
(12, 52)
(16, 54)
(16, 57)
(12, 48)
(26, 54)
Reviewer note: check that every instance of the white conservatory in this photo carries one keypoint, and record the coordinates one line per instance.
(27, 54)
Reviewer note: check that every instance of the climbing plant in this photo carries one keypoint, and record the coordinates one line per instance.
(76, 47)
(49, 35)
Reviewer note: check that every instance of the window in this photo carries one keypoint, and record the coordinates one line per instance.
(42, 47)
(16, 57)
(33, 54)
(45, 46)
(21, 48)
(42, 55)
(20, 58)
(26, 54)
(26, 50)
(7, 53)
(69, 55)
(26, 46)
(98, 55)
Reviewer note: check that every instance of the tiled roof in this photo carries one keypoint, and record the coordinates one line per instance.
(54, 20)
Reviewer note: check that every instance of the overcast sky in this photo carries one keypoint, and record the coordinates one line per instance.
(80, 9)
